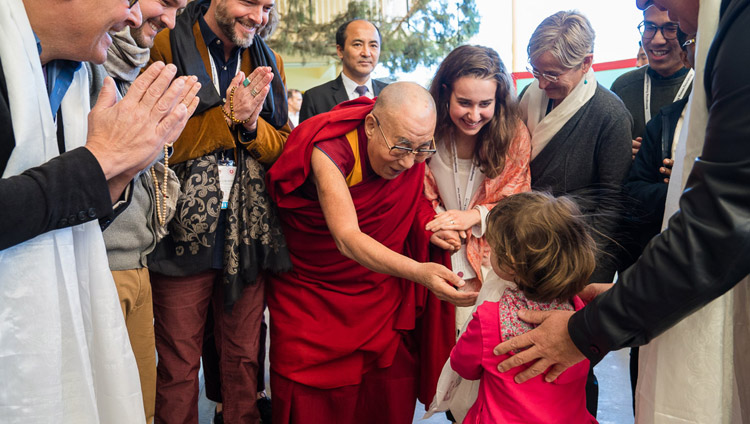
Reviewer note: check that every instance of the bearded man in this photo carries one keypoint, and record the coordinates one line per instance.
(225, 231)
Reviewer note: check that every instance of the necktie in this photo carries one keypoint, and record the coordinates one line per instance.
(361, 90)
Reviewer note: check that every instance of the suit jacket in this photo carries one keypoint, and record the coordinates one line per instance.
(325, 96)
(65, 191)
(589, 157)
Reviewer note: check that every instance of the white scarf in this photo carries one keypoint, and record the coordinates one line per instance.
(65, 356)
(692, 372)
(534, 107)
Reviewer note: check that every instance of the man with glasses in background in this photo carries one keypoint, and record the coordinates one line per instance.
(645, 91)
(665, 80)
(351, 331)
(65, 350)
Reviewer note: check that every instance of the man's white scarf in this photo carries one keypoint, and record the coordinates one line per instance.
(64, 350)
(542, 125)
(696, 371)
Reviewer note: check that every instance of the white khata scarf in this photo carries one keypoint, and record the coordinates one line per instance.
(696, 371)
(534, 106)
(65, 356)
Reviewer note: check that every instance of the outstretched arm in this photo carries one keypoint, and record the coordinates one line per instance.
(341, 218)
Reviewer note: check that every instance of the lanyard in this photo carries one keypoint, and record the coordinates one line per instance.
(647, 92)
(463, 201)
(215, 74)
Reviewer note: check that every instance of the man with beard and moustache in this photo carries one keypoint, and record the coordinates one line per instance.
(358, 46)
(134, 234)
(225, 232)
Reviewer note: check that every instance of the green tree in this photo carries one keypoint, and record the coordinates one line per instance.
(428, 32)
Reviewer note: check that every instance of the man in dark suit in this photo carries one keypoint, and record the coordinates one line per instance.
(358, 47)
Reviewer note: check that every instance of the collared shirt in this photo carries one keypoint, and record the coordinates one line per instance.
(58, 76)
(294, 118)
(226, 69)
(350, 87)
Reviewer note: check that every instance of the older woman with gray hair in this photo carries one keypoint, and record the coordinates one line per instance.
(580, 131)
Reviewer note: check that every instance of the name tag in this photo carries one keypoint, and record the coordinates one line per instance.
(226, 178)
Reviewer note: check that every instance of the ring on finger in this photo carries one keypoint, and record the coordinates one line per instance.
(245, 82)
(451, 221)
(254, 92)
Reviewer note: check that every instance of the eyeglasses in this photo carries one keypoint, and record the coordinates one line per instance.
(668, 30)
(689, 42)
(401, 151)
(132, 3)
(540, 75)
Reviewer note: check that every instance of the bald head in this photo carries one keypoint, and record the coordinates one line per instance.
(403, 117)
(406, 101)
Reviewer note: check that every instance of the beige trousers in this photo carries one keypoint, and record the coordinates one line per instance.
(134, 290)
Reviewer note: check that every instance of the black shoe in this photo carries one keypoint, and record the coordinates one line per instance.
(264, 407)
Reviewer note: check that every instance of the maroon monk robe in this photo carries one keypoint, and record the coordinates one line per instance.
(333, 319)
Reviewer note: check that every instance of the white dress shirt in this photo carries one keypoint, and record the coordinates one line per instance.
(350, 87)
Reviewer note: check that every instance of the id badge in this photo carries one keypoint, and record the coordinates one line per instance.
(227, 172)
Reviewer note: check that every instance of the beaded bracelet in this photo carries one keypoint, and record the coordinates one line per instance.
(230, 115)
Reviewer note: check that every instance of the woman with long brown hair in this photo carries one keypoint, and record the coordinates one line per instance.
(483, 151)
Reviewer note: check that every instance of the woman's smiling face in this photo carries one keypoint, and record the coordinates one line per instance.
(472, 103)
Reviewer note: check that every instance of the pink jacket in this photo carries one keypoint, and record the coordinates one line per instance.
(500, 399)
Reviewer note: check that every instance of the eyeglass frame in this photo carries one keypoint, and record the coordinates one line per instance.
(131, 3)
(642, 29)
(404, 151)
(536, 74)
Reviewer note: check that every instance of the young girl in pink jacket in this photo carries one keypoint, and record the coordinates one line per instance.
(541, 243)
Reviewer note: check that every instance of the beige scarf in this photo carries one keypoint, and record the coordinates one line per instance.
(542, 125)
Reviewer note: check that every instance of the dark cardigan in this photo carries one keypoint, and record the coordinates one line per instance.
(590, 157)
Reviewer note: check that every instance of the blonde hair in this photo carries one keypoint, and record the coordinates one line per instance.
(545, 242)
(567, 35)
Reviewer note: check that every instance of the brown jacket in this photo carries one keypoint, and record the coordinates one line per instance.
(208, 132)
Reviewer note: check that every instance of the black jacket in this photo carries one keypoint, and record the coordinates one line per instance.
(645, 184)
(324, 97)
(706, 249)
(68, 190)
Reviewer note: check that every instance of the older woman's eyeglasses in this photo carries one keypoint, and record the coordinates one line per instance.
(668, 30)
(540, 75)
(419, 153)
(132, 3)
